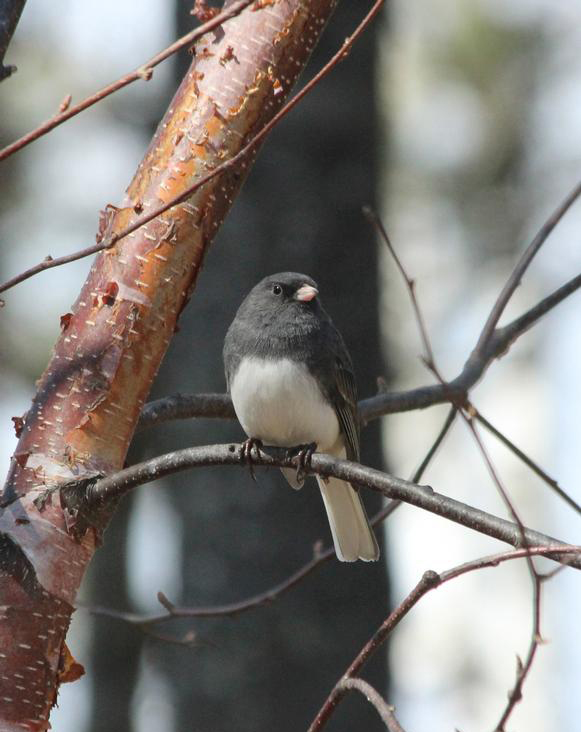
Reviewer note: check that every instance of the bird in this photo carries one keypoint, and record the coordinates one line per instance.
(292, 385)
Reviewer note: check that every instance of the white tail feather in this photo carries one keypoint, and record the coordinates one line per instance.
(352, 535)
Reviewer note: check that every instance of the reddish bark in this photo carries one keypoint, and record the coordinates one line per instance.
(90, 396)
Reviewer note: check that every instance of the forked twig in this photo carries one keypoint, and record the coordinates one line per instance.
(429, 581)
(527, 257)
(507, 334)
(385, 711)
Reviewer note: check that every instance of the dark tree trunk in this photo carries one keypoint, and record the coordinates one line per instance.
(300, 210)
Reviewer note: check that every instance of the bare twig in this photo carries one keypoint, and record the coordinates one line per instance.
(467, 412)
(523, 669)
(429, 581)
(449, 421)
(494, 560)
(215, 611)
(143, 72)
(49, 262)
(409, 282)
(528, 461)
(233, 609)
(514, 280)
(385, 711)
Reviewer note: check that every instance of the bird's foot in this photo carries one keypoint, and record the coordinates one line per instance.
(246, 453)
(303, 455)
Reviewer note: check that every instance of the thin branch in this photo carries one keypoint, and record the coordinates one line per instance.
(467, 411)
(320, 557)
(519, 326)
(143, 72)
(515, 695)
(514, 280)
(497, 482)
(494, 560)
(424, 497)
(417, 475)
(49, 262)
(229, 610)
(185, 406)
(528, 461)
(523, 669)
(509, 333)
(385, 711)
(410, 284)
(429, 581)
(456, 390)
(449, 421)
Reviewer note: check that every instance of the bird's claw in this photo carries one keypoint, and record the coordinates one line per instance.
(303, 455)
(246, 453)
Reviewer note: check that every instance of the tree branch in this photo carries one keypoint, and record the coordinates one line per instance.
(320, 556)
(186, 406)
(219, 406)
(107, 489)
(474, 368)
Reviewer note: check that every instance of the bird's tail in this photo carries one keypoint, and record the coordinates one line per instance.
(352, 535)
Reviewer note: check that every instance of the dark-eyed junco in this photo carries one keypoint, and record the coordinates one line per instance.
(291, 381)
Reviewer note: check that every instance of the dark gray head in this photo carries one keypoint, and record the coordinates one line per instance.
(286, 296)
(282, 317)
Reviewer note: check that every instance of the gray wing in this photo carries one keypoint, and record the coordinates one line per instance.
(231, 353)
(345, 402)
(334, 370)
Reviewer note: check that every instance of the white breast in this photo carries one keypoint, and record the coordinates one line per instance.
(280, 403)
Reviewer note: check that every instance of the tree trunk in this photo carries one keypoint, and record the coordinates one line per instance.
(300, 210)
(88, 400)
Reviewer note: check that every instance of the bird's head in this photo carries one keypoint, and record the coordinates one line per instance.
(286, 295)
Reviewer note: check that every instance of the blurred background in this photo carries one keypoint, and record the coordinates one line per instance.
(462, 123)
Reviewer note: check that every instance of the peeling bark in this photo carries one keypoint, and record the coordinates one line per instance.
(91, 394)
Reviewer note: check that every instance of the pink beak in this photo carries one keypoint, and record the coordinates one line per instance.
(306, 293)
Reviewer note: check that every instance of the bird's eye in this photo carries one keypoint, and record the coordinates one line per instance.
(277, 289)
